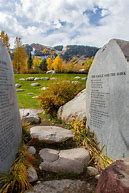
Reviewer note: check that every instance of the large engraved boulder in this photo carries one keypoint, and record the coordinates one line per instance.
(107, 98)
(115, 179)
(10, 126)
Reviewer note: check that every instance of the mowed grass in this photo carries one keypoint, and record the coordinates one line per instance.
(25, 100)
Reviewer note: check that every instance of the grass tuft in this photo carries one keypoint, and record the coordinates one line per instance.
(83, 136)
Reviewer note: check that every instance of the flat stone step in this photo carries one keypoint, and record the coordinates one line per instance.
(64, 161)
(51, 134)
(62, 186)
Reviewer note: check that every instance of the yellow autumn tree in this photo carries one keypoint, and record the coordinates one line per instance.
(49, 63)
(88, 63)
(20, 57)
(5, 38)
(57, 64)
(36, 62)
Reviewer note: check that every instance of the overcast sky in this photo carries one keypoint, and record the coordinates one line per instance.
(54, 22)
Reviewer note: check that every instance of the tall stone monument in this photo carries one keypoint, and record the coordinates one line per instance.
(107, 98)
(10, 127)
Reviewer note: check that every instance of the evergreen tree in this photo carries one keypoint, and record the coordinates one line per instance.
(43, 65)
(30, 62)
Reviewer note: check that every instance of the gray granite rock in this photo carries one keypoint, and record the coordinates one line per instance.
(92, 171)
(22, 79)
(77, 77)
(45, 78)
(35, 97)
(35, 84)
(107, 98)
(30, 115)
(30, 78)
(10, 125)
(64, 161)
(51, 134)
(62, 186)
(74, 108)
(44, 88)
(32, 150)
(37, 78)
(50, 72)
(31, 119)
(32, 174)
(20, 90)
(18, 85)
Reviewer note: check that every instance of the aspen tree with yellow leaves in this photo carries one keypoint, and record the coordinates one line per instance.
(5, 38)
(49, 64)
(58, 64)
(20, 57)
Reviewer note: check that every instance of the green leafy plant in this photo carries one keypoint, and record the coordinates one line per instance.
(85, 137)
(58, 94)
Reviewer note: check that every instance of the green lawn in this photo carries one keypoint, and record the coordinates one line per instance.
(25, 100)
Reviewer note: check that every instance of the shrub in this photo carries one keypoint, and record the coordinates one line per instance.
(57, 95)
(83, 136)
(17, 181)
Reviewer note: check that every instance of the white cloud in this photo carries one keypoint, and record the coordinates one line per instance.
(63, 22)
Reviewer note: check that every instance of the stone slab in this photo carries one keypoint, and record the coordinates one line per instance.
(64, 161)
(10, 125)
(51, 134)
(107, 98)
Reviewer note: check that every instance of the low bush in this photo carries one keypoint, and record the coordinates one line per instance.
(57, 95)
(83, 136)
(17, 181)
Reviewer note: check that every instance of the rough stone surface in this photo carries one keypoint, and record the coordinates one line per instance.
(51, 134)
(115, 179)
(23, 79)
(62, 186)
(30, 78)
(25, 112)
(31, 119)
(45, 78)
(32, 150)
(92, 171)
(49, 155)
(50, 72)
(74, 108)
(64, 161)
(10, 125)
(30, 116)
(18, 85)
(107, 98)
(35, 84)
(77, 77)
(35, 97)
(37, 78)
(32, 174)
(20, 90)
(44, 88)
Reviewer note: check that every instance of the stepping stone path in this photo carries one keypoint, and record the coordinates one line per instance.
(35, 84)
(64, 161)
(62, 186)
(51, 134)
